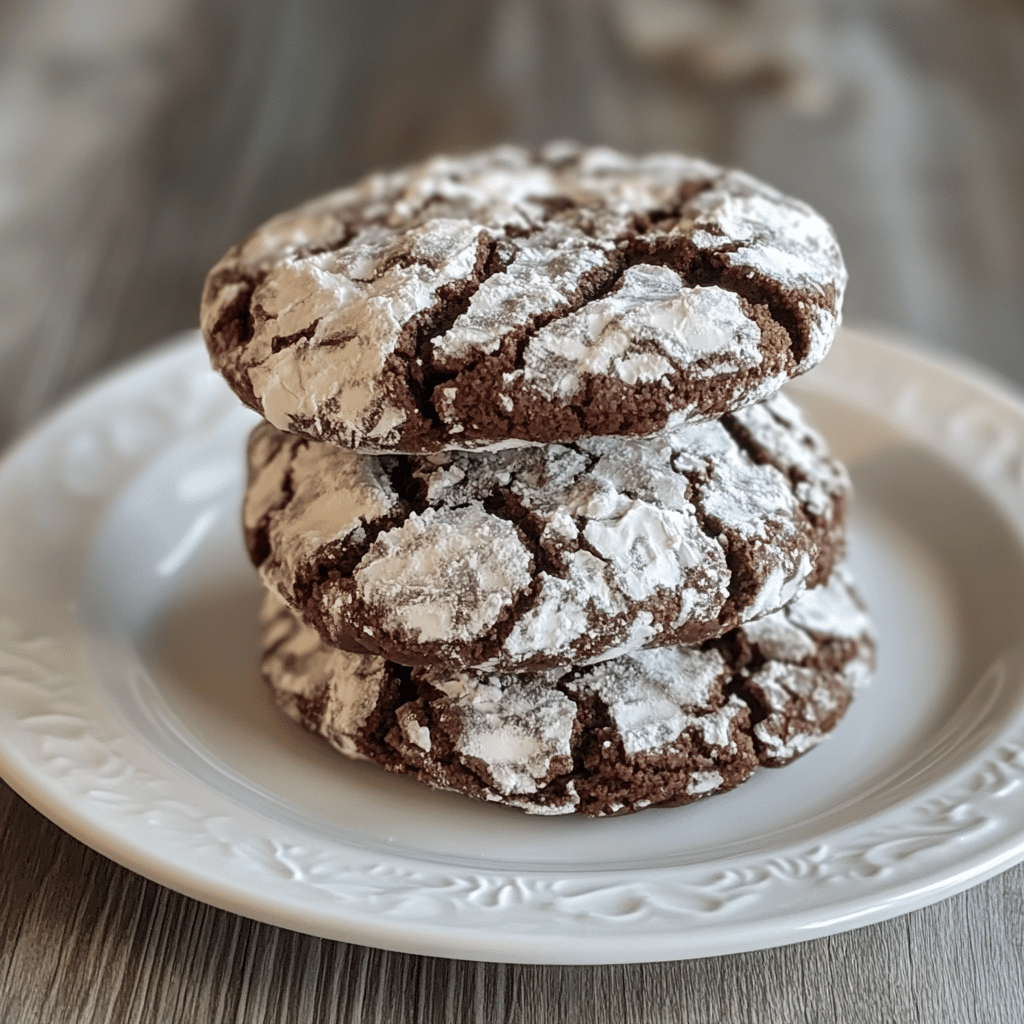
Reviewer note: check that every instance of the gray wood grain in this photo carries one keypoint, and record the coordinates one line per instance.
(141, 140)
(82, 939)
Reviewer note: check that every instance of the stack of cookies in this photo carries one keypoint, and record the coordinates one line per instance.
(534, 522)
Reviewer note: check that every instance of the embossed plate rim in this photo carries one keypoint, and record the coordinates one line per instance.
(61, 748)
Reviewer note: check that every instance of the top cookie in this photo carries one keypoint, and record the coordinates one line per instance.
(512, 296)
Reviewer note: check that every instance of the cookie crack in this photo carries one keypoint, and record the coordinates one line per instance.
(587, 747)
(523, 603)
(696, 268)
(415, 346)
(349, 232)
(826, 528)
(582, 544)
(282, 341)
(337, 560)
(257, 539)
(763, 456)
(665, 219)
(709, 269)
(446, 762)
(235, 324)
(593, 285)
(747, 443)
(505, 504)
(401, 474)
(760, 290)
(714, 530)
(738, 686)
(371, 740)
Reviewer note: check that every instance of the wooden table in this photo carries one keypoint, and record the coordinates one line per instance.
(139, 140)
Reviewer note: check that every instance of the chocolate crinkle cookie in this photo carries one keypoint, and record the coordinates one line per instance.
(654, 728)
(541, 557)
(515, 296)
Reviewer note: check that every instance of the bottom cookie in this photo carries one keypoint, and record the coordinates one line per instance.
(660, 727)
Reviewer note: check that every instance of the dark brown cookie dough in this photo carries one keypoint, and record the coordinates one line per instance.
(657, 728)
(512, 295)
(537, 557)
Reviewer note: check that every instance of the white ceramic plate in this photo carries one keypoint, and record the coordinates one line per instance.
(131, 712)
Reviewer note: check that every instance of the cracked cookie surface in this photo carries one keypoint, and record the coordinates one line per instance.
(656, 728)
(538, 557)
(511, 296)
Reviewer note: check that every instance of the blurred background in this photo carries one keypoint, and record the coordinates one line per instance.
(140, 138)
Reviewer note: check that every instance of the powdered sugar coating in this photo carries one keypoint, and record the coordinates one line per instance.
(511, 295)
(516, 736)
(644, 331)
(651, 696)
(657, 727)
(305, 503)
(547, 556)
(794, 698)
(756, 230)
(306, 675)
(444, 574)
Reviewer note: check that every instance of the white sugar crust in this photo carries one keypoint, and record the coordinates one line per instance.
(445, 575)
(343, 278)
(518, 735)
(650, 326)
(654, 696)
(351, 307)
(543, 276)
(829, 610)
(779, 237)
(304, 668)
(308, 502)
